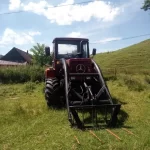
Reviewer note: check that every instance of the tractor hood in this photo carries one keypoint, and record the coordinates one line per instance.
(79, 65)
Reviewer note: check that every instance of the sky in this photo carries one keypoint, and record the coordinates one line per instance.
(104, 22)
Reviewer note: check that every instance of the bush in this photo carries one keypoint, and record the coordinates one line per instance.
(21, 74)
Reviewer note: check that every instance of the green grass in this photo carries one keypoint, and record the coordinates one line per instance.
(21, 74)
(27, 123)
(135, 58)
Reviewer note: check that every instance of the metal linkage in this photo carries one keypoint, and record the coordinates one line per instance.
(101, 79)
(88, 88)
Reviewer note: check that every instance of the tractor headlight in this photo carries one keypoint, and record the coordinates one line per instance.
(58, 62)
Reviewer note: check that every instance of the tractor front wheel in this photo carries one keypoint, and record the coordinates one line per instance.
(52, 92)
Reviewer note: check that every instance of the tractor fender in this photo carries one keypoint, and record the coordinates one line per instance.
(50, 72)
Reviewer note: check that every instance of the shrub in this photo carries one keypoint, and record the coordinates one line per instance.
(21, 74)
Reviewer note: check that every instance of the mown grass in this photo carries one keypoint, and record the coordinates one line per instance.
(27, 123)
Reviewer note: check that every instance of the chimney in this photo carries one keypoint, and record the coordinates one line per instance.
(27, 51)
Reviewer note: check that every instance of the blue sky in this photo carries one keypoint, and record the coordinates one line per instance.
(100, 21)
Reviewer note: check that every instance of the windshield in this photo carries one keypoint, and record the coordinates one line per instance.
(72, 50)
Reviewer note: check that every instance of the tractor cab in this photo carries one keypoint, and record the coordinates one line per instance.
(70, 48)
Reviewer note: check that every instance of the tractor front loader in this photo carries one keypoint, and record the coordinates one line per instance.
(76, 82)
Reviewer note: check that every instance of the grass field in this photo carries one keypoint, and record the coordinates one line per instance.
(27, 123)
(134, 58)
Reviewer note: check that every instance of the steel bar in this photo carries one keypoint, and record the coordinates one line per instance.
(113, 134)
(95, 136)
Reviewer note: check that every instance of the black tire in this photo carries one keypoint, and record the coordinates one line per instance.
(52, 92)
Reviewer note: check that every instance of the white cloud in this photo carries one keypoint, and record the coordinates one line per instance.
(14, 4)
(79, 34)
(38, 8)
(74, 34)
(17, 38)
(33, 33)
(106, 40)
(126, 13)
(65, 15)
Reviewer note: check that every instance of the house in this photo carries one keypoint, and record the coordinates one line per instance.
(1, 56)
(18, 56)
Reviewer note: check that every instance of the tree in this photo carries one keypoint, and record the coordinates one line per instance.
(39, 57)
(146, 5)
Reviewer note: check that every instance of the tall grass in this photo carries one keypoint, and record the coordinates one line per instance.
(134, 82)
(21, 74)
(24, 74)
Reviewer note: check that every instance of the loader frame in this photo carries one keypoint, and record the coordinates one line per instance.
(72, 110)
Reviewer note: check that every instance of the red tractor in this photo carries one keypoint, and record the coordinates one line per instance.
(76, 82)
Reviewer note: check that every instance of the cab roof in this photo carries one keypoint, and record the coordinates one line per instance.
(69, 39)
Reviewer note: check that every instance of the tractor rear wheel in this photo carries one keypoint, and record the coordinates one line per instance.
(52, 92)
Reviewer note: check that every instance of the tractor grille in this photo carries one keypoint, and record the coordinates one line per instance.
(80, 66)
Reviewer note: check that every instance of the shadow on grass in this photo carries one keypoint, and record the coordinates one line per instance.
(116, 101)
(102, 121)
(103, 124)
(122, 117)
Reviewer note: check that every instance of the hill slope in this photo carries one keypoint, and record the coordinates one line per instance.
(133, 57)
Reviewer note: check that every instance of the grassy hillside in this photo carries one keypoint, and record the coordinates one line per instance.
(135, 57)
(26, 123)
